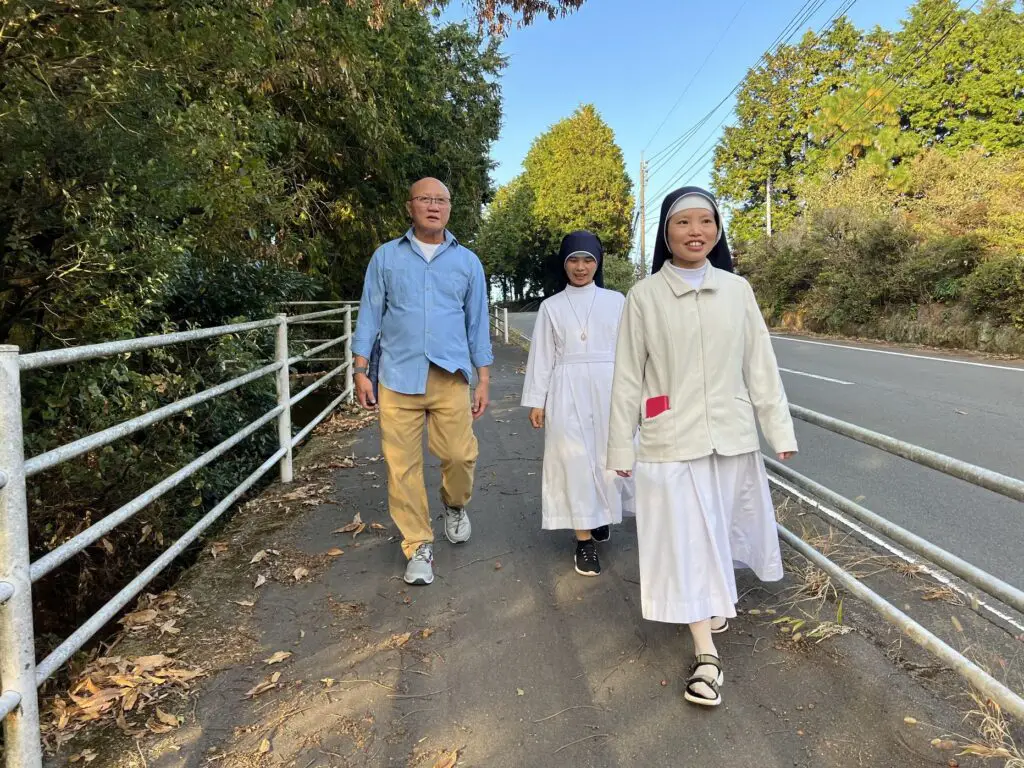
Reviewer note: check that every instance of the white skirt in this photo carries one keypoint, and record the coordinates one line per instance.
(696, 521)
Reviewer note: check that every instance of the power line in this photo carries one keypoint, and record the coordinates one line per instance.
(806, 12)
(801, 17)
(690, 165)
(682, 139)
(700, 69)
(830, 142)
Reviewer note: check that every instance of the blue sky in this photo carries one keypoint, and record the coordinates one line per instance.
(632, 59)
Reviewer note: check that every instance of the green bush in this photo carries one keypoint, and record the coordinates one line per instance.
(996, 288)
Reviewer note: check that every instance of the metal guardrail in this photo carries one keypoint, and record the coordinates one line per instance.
(1009, 700)
(20, 675)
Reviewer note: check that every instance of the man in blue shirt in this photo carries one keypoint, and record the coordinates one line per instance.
(425, 297)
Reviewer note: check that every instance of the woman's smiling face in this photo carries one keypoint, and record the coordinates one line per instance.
(691, 234)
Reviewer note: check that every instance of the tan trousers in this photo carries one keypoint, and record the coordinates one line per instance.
(446, 411)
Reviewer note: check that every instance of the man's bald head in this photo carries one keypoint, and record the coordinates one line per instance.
(430, 206)
(429, 186)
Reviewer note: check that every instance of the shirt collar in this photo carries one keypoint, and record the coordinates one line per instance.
(679, 286)
(449, 238)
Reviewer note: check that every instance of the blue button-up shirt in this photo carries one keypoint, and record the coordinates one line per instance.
(425, 312)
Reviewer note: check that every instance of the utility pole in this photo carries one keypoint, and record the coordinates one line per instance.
(642, 271)
(768, 210)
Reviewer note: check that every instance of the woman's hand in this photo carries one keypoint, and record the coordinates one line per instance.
(624, 472)
(537, 418)
(786, 455)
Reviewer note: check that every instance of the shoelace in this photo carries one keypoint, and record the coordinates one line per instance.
(588, 551)
(423, 553)
(459, 516)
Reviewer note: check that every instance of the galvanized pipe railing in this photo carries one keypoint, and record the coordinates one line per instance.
(970, 573)
(19, 674)
(985, 478)
(970, 671)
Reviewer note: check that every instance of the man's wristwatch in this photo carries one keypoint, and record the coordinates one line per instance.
(361, 369)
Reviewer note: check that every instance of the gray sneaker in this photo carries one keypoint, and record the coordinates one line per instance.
(456, 525)
(420, 569)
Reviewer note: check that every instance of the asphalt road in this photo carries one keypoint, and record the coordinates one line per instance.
(968, 408)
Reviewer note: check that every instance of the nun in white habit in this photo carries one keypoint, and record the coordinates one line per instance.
(694, 365)
(568, 389)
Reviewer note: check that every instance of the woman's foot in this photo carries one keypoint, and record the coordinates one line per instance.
(719, 624)
(704, 684)
(586, 560)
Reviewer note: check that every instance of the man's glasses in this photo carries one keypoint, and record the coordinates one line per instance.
(425, 200)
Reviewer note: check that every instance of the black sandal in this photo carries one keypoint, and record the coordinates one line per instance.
(714, 683)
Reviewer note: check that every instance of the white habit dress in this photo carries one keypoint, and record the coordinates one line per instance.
(699, 520)
(570, 377)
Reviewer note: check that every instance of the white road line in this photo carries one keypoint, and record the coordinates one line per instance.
(815, 376)
(873, 537)
(900, 354)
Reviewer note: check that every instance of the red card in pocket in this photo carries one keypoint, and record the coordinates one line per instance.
(656, 405)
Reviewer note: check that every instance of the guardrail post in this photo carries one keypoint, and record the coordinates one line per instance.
(17, 638)
(349, 382)
(504, 312)
(284, 421)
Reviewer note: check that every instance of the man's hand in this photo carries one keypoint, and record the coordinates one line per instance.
(786, 455)
(364, 391)
(481, 398)
(537, 418)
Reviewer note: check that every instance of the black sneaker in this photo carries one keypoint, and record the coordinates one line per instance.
(602, 534)
(587, 563)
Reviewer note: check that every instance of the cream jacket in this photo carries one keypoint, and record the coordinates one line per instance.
(707, 349)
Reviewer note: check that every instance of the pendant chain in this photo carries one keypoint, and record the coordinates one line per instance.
(583, 326)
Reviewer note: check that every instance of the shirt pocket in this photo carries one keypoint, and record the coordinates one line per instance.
(400, 285)
(452, 285)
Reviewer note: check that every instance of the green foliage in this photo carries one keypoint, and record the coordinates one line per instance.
(948, 78)
(574, 178)
(996, 288)
(177, 165)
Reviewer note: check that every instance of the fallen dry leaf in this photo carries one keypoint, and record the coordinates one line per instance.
(910, 720)
(244, 603)
(397, 641)
(218, 548)
(335, 552)
(377, 527)
(149, 663)
(426, 633)
(278, 657)
(168, 627)
(85, 756)
(139, 618)
(356, 527)
(300, 573)
(261, 555)
(260, 581)
(264, 746)
(165, 718)
(328, 682)
(447, 759)
(520, 692)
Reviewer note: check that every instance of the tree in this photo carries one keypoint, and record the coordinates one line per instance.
(960, 74)
(772, 137)
(167, 165)
(578, 179)
(508, 241)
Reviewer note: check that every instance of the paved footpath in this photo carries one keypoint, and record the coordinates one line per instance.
(510, 658)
